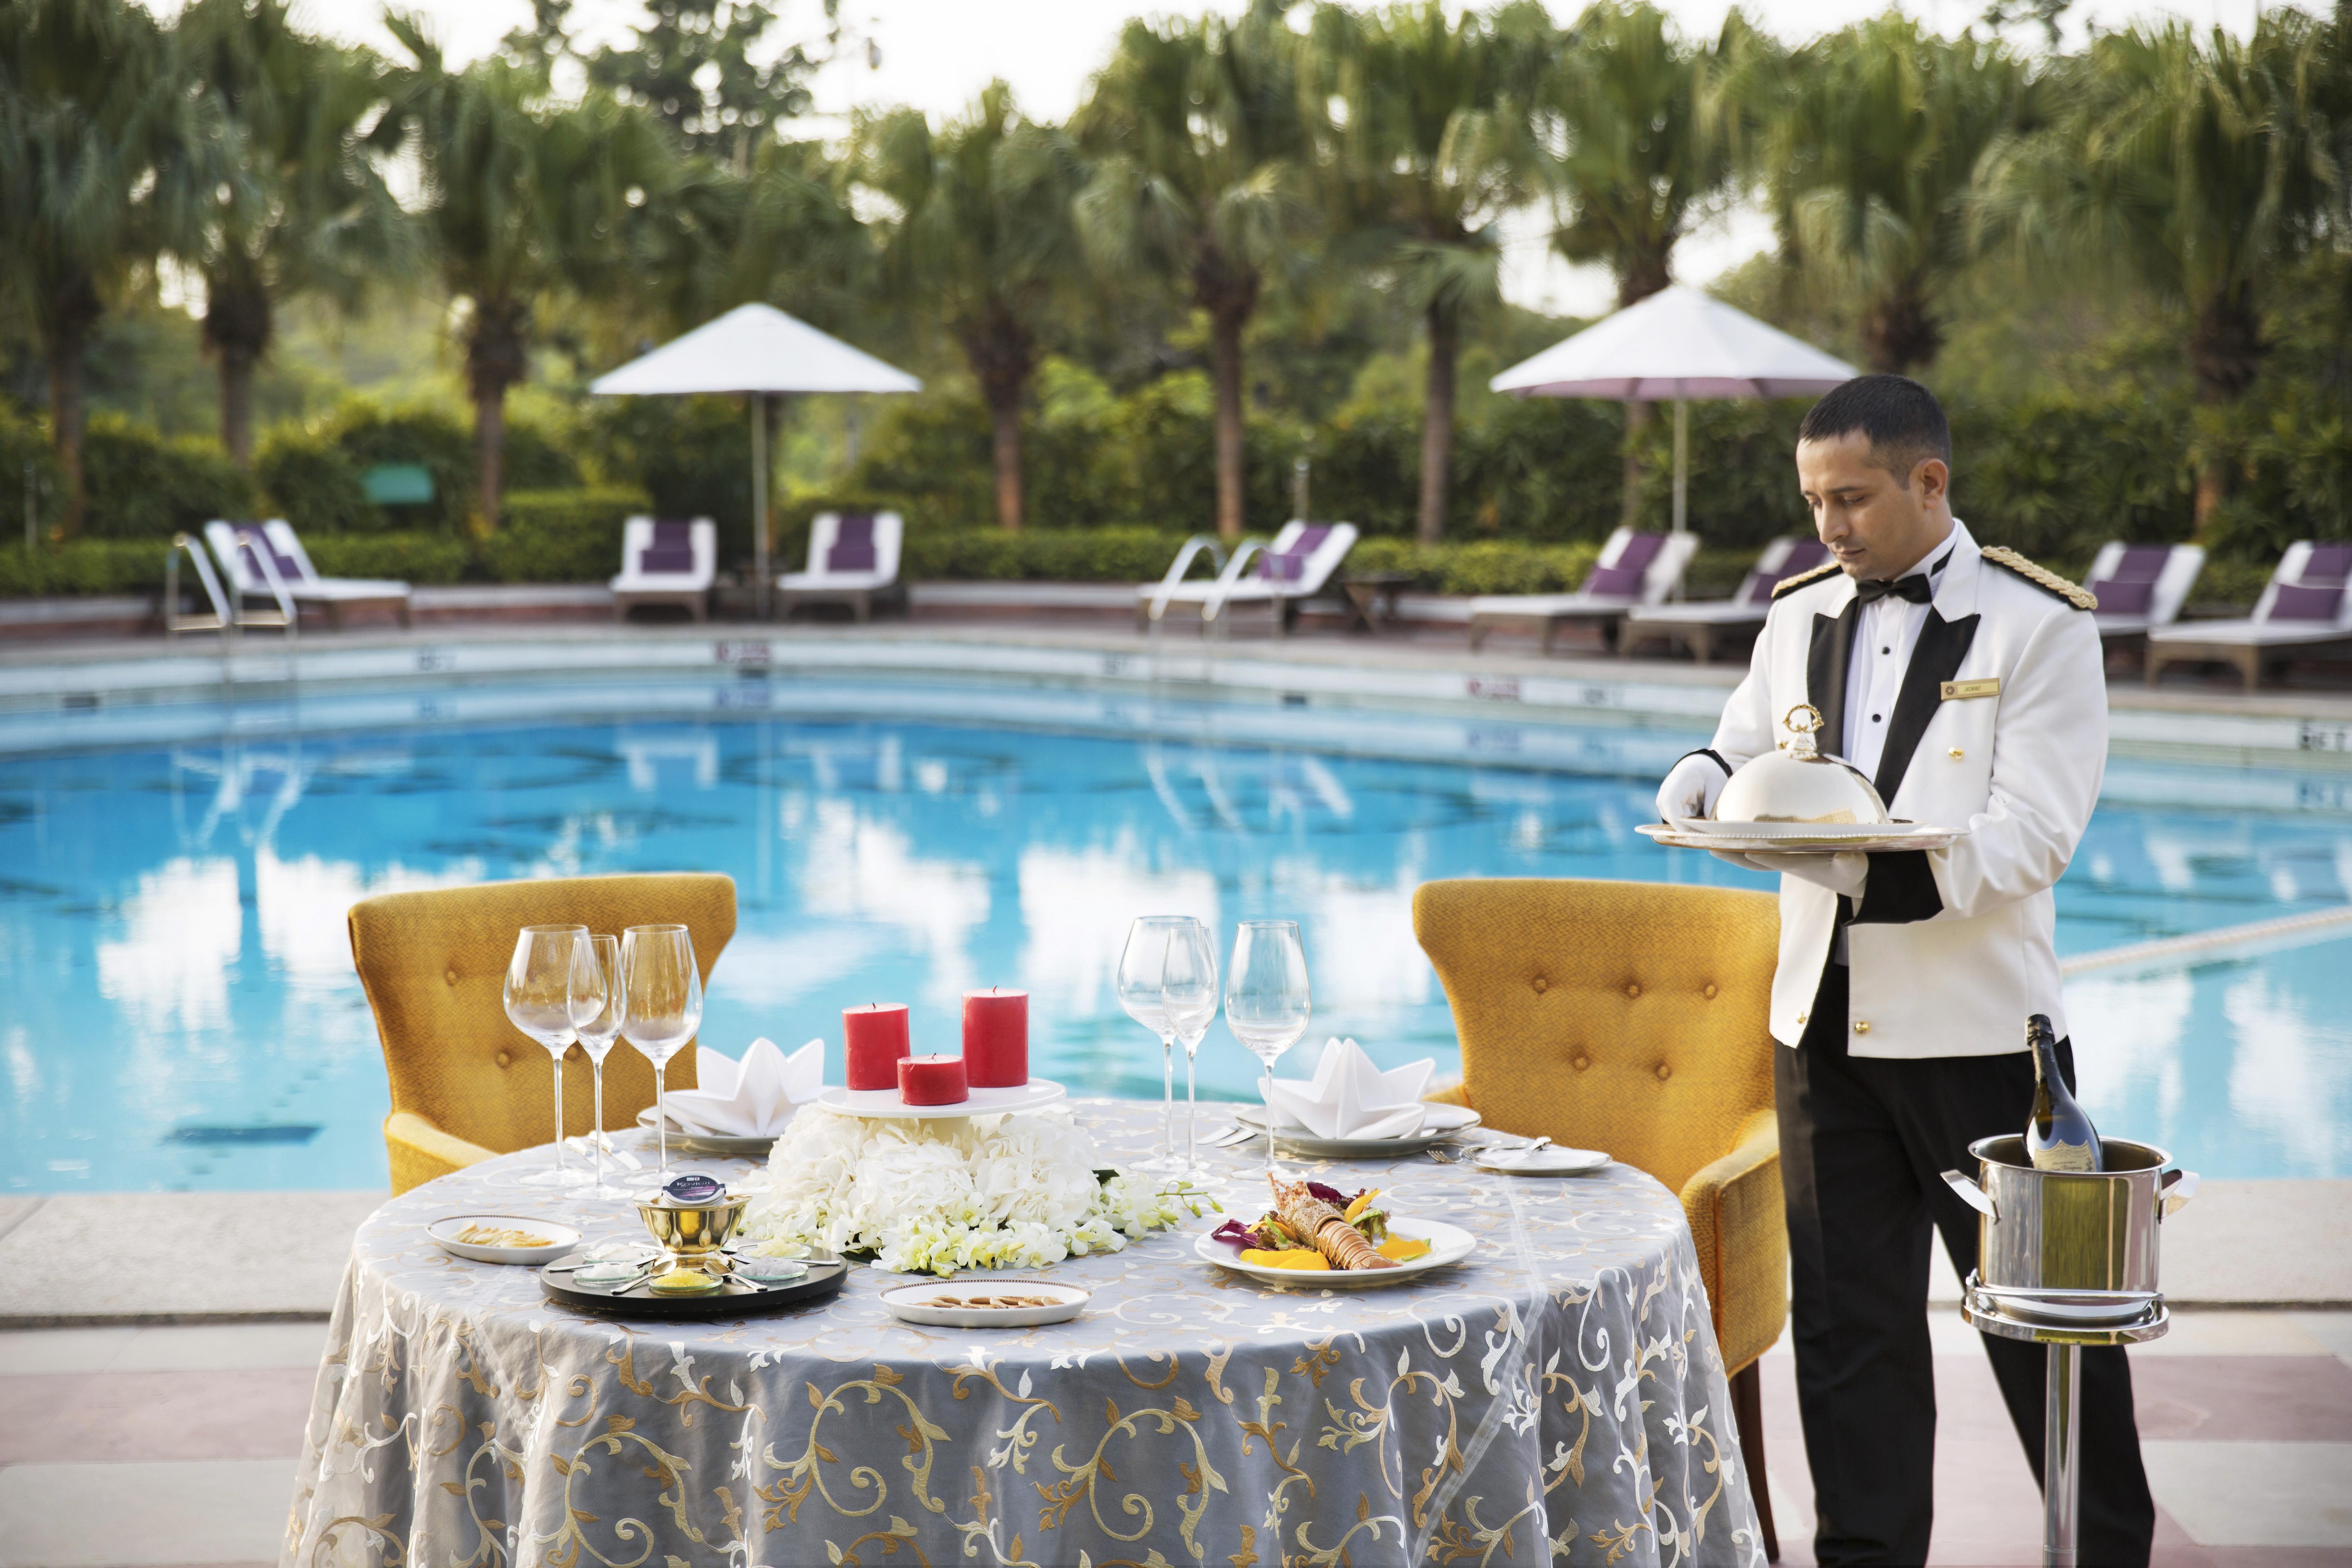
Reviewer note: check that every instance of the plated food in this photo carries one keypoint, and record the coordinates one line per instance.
(501, 1238)
(1333, 1239)
(985, 1304)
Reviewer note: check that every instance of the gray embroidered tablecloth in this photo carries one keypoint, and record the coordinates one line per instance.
(1558, 1397)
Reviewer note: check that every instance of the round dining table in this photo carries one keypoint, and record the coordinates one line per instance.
(1558, 1397)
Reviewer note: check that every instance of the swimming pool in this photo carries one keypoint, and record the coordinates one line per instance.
(181, 1012)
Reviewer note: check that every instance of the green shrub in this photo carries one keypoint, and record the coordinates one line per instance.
(691, 456)
(370, 434)
(309, 479)
(139, 485)
(88, 566)
(559, 536)
(403, 557)
(25, 446)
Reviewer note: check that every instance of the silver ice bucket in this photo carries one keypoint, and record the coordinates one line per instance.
(2070, 1247)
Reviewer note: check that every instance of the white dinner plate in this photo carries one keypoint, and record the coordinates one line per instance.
(922, 1303)
(884, 1102)
(710, 1143)
(1447, 1244)
(1439, 1123)
(1801, 837)
(1550, 1161)
(561, 1239)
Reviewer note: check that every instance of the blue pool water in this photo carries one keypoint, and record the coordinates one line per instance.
(172, 951)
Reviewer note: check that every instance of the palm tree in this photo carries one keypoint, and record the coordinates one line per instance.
(100, 158)
(303, 207)
(523, 200)
(1872, 140)
(1197, 136)
(984, 238)
(2198, 173)
(1429, 154)
(1635, 140)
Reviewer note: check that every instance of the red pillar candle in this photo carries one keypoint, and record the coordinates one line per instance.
(996, 1038)
(932, 1080)
(874, 1042)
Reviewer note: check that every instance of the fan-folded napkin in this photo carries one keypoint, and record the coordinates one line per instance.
(751, 1099)
(1349, 1098)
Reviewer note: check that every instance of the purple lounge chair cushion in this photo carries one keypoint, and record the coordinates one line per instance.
(2307, 601)
(2141, 564)
(853, 544)
(1621, 579)
(2327, 564)
(2123, 596)
(672, 550)
(1803, 556)
(1291, 566)
(250, 537)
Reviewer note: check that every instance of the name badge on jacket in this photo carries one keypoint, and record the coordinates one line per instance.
(1958, 690)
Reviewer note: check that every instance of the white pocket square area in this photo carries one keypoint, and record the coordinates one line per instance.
(1349, 1098)
(751, 1099)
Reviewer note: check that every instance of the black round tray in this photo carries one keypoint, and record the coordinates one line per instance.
(735, 1299)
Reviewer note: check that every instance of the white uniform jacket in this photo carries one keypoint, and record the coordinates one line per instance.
(2000, 727)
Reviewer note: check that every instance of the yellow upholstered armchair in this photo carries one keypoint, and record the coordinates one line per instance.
(1633, 1017)
(466, 1084)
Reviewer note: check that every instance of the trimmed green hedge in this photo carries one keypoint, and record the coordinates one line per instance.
(558, 536)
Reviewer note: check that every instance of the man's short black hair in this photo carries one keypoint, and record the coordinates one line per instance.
(1902, 419)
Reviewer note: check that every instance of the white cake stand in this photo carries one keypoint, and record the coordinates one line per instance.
(885, 1103)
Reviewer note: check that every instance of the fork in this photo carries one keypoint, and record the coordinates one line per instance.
(1232, 1137)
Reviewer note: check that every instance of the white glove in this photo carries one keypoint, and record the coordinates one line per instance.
(1691, 788)
(1844, 874)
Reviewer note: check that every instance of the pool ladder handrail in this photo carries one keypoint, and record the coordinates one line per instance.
(222, 619)
(1184, 559)
(286, 615)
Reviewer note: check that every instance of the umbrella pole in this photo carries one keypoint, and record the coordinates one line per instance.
(759, 505)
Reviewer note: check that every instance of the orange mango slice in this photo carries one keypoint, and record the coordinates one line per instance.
(1362, 1204)
(1401, 1250)
(1305, 1259)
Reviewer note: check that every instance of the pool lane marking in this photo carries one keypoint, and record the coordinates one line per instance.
(2289, 932)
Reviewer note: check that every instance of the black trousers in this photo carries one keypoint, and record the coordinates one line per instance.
(1862, 1141)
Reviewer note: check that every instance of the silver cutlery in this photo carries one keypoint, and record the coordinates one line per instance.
(1231, 1136)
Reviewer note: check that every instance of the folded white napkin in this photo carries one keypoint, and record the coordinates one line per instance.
(1349, 1098)
(751, 1099)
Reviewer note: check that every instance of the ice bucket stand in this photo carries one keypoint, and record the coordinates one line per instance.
(2062, 1417)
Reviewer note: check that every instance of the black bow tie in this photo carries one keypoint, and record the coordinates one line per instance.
(1915, 588)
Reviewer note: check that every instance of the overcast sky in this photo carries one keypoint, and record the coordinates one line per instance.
(936, 53)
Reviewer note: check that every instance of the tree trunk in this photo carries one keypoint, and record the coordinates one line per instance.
(1640, 274)
(1897, 329)
(1445, 325)
(238, 327)
(2225, 354)
(1005, 416)
(496, 352)
(73, 312)
(1226, 372)
(1002, 353)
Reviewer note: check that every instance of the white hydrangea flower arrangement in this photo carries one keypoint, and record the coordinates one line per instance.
(936, 1197)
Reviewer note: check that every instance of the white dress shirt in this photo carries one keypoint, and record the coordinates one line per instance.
(1882, 640)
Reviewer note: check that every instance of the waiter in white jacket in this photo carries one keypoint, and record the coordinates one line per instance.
(1968, 684)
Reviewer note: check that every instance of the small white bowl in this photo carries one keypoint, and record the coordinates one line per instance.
(562, 1239)
(916, 1303)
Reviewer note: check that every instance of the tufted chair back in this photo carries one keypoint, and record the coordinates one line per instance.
(433, 966)
(1628, 1016)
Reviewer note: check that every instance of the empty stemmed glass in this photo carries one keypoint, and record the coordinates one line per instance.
(661, 1006)
(1266, 1002)
(596, 1004)
(1188, 990)
(538, 1003)
(1142, 981)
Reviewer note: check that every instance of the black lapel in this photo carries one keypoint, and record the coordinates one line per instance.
(1825, 673)
(1937, 659)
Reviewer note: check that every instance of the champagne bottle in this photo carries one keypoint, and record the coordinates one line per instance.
(2058, 1135)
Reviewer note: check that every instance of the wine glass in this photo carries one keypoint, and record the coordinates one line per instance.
(1142, 975)
(596, 1006)
(538, 1003)
(661, 1006)
(1267, 1002)
(1188, 989)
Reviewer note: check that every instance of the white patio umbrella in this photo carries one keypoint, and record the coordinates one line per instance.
(756, 350)
(1678, 345)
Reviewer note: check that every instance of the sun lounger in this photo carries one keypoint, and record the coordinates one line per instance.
(1300, 565)
(853, 560)
(2307, 605)
(2141, 586)
(1699, 624)
(266, 559)
(666, 561)
(1634, 568)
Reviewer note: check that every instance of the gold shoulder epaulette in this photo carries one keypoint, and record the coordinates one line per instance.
(2041, 577)
(1787, 584)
